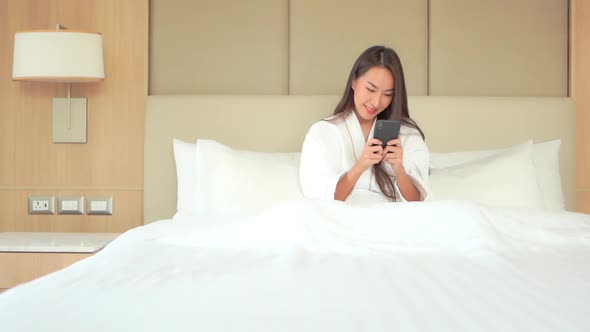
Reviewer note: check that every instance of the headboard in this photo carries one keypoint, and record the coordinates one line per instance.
(279, 124)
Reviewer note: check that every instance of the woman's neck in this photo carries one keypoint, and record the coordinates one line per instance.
(366, 125)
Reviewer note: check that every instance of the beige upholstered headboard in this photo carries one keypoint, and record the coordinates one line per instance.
(279, 123)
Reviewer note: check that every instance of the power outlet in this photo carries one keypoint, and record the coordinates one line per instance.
(41, 204)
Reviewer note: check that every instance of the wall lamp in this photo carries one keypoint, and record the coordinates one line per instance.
(62, 56)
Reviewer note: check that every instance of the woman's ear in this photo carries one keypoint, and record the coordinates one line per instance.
(353, 84)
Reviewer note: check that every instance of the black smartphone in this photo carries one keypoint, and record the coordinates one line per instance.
(386, 130)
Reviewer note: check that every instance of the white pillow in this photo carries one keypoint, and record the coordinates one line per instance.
(505, 179)
(236, 182)
(184, 156)
(545, 158)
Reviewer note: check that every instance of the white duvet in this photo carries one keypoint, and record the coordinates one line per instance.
(326, 266)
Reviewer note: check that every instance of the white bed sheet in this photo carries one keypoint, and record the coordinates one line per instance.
(325, 266)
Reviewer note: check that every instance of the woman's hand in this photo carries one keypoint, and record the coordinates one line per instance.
(393, 154)
(372, 154)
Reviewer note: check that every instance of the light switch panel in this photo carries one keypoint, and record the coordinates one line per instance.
(70, 205)
(99, 205)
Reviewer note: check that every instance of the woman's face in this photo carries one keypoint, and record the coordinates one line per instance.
(373, 92)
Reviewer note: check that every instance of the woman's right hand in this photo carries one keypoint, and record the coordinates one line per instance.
(372, 154)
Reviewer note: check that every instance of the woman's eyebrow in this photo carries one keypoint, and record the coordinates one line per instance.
(376, 87)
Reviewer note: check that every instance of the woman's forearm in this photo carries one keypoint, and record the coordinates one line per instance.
(346, 184)
(407, 187)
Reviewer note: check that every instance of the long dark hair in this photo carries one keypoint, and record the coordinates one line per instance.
(385, 57)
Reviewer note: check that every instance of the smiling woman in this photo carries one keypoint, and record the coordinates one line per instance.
(373, 92)
(340, 156)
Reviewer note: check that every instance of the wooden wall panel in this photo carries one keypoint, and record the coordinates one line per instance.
(14, 217)
(127, 212)
(326, 37)
(499, 48)
(8, 211)
(113, 157)
(218, 47)
(581, 93)
(7, 105)
(583, 201)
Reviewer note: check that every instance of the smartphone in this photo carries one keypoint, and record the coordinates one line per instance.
(386, 130)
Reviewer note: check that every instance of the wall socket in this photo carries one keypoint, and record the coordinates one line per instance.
(41, 204)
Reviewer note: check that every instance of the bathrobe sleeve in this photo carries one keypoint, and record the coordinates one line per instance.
(416, 163)
(321, 161)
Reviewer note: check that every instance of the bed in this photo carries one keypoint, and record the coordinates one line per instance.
(229, 244)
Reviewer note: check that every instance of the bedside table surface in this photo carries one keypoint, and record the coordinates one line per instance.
(54, 242)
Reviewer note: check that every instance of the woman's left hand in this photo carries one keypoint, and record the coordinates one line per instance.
(393, 154)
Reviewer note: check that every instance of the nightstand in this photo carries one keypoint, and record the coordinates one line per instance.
(25, 256)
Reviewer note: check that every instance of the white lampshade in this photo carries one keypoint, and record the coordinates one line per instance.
(57, 56)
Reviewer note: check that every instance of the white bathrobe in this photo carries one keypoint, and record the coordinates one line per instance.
(330, 150)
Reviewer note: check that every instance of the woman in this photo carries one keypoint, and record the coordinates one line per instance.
(340, 157)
